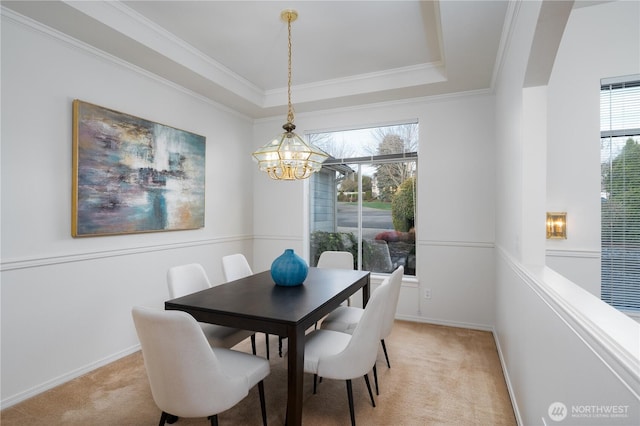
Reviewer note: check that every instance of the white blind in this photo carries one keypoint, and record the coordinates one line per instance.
(620, 193)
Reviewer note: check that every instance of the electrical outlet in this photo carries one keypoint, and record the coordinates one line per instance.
(427, 293)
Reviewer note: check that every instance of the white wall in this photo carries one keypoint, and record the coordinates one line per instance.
(455, 223)
(598, 42)
(552, 353)
(66, 302)
(558, 342)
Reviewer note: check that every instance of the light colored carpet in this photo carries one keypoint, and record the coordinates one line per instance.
(439, 376)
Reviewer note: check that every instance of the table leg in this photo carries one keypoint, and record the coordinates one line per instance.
(295, 374)
(366, 292)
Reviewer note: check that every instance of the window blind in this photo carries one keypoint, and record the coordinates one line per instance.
(620, 193)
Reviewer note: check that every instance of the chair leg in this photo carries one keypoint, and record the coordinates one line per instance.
(263, 406)
(384, 348)
(266, 339)
(253, 343)
(167, 418)
(366, 379)
(163, 418)
(214, 420)
(350, 396)
(280, 346)
(315, 382)
(375, 378)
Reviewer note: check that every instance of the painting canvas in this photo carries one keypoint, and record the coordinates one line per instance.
(132, 175)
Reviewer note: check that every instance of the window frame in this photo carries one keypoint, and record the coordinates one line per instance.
(343, 165)
(615, 269)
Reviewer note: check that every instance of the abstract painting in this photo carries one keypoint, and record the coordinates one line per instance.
(132, 175)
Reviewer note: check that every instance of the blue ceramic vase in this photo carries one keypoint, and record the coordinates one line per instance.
(289, 269)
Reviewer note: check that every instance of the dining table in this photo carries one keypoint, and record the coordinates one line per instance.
(256, 303)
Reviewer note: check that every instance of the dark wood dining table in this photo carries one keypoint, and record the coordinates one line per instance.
(256, 303)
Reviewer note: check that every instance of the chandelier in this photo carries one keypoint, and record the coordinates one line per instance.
(288, 156)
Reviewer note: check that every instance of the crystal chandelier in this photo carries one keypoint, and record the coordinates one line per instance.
(288, 156)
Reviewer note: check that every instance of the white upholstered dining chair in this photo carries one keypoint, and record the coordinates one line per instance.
(346, 318)
(234, 267)
(189, 278)
(336, 260)
(334, 355)
(188, 377)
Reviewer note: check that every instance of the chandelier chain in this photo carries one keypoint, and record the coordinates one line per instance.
(290, 116)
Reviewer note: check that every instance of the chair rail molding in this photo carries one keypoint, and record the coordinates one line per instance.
(39, 261)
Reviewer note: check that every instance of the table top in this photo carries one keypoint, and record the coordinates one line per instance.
(253, 301)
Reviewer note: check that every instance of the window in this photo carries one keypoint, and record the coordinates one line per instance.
(363, 199)
(620, 192)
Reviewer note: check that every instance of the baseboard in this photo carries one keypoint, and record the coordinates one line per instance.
(43, 387)
(457, 324)
(505, 373)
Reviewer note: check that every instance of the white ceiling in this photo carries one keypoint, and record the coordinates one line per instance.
(344, 52)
